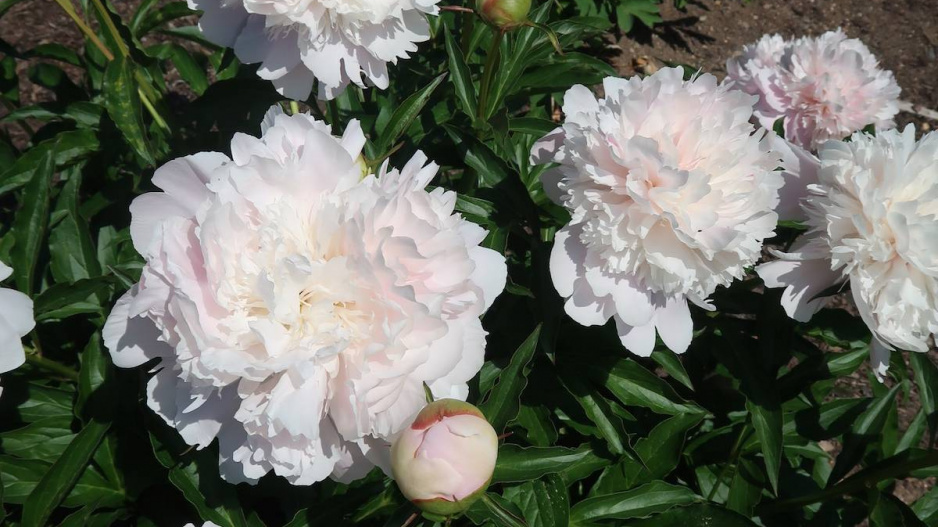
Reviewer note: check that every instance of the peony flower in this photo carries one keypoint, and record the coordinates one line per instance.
(822, 88)
(332, 42)
(671, 191)
(873, 220)
(444, 461)
(298, 303)
(16, 320)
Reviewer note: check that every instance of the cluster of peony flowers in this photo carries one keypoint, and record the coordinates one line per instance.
(297, 303)
(671, 190)
(821, 88)
(873, 218)
(16, 320)
(329, 42)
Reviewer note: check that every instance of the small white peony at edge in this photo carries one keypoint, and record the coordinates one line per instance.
(671, 193)
(297, 304)
(16, 320)
(873, 218)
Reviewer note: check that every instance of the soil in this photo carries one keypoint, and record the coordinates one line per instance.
(903, 34)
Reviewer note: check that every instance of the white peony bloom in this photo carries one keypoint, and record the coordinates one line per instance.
(822, 88)
(873, 220)
(16, 320)
(671, 191)
(297, 303)
(332, 42)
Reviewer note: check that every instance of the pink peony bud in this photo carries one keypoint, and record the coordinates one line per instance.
(504, 14)
(444, 461)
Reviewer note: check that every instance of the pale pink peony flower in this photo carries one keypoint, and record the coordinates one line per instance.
(297, 302)
(873, 220)
(671, 191)
(330, 42)
(822, 88)
(444, 461)
(16, 320)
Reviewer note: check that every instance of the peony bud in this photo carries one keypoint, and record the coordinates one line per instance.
(444, 461)
(504, 14)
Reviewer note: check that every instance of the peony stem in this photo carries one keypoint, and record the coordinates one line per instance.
(734, 457)
(145, 95)
(456, 8)
(52, 366)
(491, 62)
(410, 519)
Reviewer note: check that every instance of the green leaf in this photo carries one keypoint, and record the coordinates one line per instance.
(65, 300)
(532, 126)
(187, 66)
(646, 11)
(599, 412)
(523, 464)
(866, 429)
(671, 363)
(926, 507)
(544, 502)
(43, 439)
(697, 515)
(889, 511)
(460, 76)
(492, 509)
(31, 223)
(404, 115)
(745, 490)
(634, 385)
(21, 476)
(196, 475)
(123, 105)
(661, 450)
(154, 19)
(491, 169)
(67, 148)
(926, 377)
(94, 367)
(767, 422)
(63, 475)
(71, 248)
(643, 501)
(503, 403)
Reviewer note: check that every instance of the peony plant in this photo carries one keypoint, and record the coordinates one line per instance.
(253, 239)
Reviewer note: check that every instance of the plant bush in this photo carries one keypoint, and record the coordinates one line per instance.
(748, 427)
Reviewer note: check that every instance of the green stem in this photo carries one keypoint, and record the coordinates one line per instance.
(115, 34)
(294, 107)
(149, 106)
(69, 9)
(733, 459)
(52, 366)
(491, 62)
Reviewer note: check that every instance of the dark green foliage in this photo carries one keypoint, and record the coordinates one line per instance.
(733, 433)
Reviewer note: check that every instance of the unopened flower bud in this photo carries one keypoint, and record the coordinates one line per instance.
(444, 461)
(504, 14)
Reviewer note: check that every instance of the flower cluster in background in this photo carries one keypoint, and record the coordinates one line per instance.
(821, 88)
